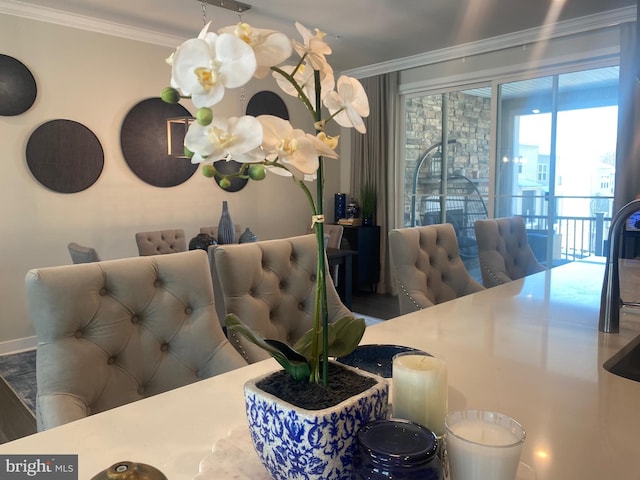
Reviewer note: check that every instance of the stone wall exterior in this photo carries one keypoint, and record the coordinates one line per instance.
(469, 123)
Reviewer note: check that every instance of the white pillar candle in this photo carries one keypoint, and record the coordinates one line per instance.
(483, 445)
(420, 390)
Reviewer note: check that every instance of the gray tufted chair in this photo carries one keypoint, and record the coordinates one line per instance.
(333, 239)
(270, 286)
(503, 250)
(81, 254)
(161, 241)
(121, 330)
(428, 267)
(213, 231)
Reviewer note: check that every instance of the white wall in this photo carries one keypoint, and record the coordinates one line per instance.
(96, 79)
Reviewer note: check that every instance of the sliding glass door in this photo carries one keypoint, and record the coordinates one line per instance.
(448, 184)
(555, 161)
(554, 140)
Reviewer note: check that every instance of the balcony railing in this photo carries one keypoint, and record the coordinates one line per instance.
(574, 237)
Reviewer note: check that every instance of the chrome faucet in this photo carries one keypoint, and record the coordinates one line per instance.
(611, 302)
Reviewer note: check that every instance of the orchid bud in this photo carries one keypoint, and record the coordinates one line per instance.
(204, 116)
(170, 95)
(208, 171)
(257, 172)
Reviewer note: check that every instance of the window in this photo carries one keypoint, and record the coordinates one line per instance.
(543, 170)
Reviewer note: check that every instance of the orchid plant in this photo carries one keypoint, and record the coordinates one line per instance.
(202, 69)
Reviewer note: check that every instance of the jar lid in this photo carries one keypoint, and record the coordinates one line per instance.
(398, 442)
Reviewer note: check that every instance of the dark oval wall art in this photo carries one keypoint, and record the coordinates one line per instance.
(267, 103)
(65, 156)
(143, 138)
(17, 87)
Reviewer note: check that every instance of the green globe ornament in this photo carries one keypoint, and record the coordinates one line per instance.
(224, 183)
(187, 153)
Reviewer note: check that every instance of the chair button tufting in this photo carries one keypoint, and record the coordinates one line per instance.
(111, 360)
(300, 306)
(135, 319)
(78, 334)
(164, 347)
(157, 283)
(140, 390)
(103, 292)
(188, 310)
(313, 277)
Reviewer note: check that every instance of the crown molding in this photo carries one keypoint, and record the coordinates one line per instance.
(50, 15)
(533, 35)
(524, 37)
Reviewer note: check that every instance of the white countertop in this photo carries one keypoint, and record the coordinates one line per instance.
(530, 349)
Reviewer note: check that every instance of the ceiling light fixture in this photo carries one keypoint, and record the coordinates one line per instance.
(232, 5)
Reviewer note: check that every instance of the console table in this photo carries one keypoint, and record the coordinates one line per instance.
(366, 268)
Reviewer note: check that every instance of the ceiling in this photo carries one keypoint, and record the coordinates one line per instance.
(361, 32)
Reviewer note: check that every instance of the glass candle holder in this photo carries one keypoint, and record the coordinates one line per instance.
(483, 445)
(420, 389)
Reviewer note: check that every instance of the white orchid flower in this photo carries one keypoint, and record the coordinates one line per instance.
(314, 47)
(203, 67)
(296, 150)
(304, 77)
(349, 103)
(224, 137)
(270, 46)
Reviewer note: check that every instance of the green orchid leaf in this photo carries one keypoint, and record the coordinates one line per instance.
(344, 335)
(286, 350)
(293, 362)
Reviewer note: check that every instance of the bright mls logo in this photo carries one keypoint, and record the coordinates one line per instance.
(51, 467)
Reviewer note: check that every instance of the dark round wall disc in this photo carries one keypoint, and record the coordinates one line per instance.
(143, 138)
(228, 167)
(267, 103)
(65, 156)
(17, 87)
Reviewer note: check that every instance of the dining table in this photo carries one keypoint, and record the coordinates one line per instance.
(530, 349)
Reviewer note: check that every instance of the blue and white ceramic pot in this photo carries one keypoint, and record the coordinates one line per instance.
(294, 443)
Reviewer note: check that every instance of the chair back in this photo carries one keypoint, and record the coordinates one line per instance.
(82, 254)
(116, 331)
(427, 266)
(270, 286)
(503, 250)
(161, 241)
(213, 231)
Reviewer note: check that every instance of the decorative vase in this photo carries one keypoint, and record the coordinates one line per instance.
(226, 228)
(201, 241)
(248, 236)
(340, 206)
(294, 442)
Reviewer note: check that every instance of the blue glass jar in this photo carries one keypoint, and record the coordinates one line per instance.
(397, 449)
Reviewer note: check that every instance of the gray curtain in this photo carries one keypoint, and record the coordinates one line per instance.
(628, 148)
(373, 159)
